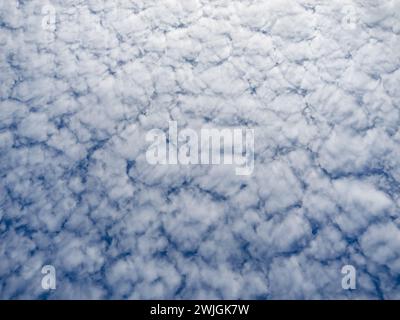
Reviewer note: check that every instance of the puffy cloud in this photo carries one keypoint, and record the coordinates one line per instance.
(82, 82)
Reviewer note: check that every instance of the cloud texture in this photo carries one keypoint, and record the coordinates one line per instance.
(317, 80)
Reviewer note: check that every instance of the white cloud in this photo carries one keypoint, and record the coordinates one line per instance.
(76, 191)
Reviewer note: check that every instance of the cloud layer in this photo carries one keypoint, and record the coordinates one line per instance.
(83, 81)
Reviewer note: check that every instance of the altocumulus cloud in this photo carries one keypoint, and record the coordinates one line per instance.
(82, 82)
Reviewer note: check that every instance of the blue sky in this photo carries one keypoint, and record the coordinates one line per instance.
(82, 82)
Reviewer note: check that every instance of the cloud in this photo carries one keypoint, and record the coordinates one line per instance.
(82, 82)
